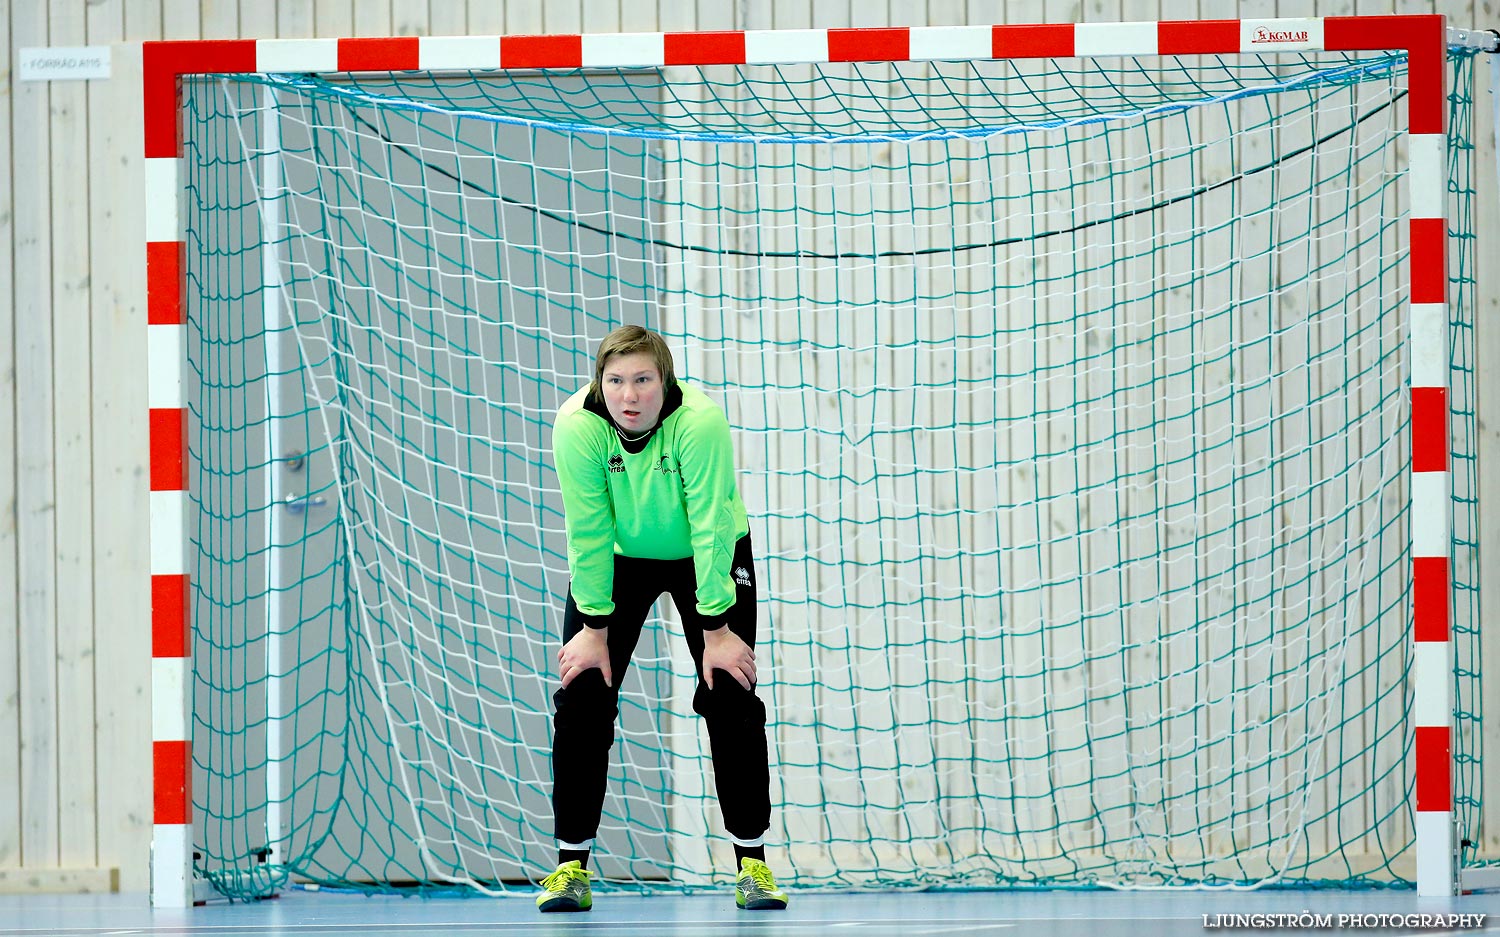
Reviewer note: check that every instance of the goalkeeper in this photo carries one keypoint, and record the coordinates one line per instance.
(650, 502)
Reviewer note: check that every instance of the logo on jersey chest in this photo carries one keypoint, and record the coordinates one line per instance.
(663, 465)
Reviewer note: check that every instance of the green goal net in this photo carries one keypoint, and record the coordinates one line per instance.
(1070, 401)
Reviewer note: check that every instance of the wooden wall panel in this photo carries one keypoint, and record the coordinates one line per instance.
(411, 18)
(559, 18)
(254, 19)
(452, 19)
(72, 440)
(143, 21)
(121, 569)
(219, 19)
(489, 19)
(330, 18)
(10, 610)
(372, 18)
(602, 16)
(182, 19)
(297, 20)
(35, 496)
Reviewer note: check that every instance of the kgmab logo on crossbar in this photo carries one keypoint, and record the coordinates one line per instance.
(1264, 35)
(1283, 34)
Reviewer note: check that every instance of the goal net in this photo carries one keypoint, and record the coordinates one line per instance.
(1070, 401)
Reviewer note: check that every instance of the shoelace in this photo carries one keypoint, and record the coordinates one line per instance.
(564, 877)
(761, 876)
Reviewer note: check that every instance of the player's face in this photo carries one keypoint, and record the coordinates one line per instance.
(633, 391)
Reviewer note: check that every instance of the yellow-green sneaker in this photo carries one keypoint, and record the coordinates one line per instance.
(567, 889)
(755, 887)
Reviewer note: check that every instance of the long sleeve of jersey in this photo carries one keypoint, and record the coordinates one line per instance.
(715, 513)
(589, 516)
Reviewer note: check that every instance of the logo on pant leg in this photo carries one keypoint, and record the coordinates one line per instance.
(741, 576)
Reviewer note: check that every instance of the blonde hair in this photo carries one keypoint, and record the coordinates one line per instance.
(628, 340)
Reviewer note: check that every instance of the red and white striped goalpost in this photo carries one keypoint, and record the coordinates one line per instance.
(1422, 37)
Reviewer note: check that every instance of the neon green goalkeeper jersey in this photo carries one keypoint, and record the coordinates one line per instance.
(674, 498)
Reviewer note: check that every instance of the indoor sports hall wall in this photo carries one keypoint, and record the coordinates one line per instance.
(75, 786)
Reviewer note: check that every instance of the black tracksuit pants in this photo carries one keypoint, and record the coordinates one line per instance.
(583, 724)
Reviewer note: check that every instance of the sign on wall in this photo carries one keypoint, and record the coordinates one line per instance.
(63, 63)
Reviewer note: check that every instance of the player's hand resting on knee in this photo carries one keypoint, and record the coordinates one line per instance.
(723, 650)
(587, 650)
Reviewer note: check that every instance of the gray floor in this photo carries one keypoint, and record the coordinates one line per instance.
(915, 914)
